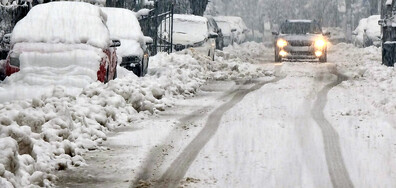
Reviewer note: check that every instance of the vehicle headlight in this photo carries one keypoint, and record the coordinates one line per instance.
(281, 43)
(320, 43)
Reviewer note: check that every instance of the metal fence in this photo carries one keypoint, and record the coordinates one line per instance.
(159, 26)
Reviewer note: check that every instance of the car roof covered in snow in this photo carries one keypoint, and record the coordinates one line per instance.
(299, 21)
(63, 22)
(190, 18)
(123, 24)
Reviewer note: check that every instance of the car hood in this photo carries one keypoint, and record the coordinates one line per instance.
(186, 39)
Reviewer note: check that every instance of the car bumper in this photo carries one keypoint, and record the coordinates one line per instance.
(303, 52)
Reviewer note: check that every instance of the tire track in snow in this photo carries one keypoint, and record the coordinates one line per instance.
(339, 175)
(177, 170)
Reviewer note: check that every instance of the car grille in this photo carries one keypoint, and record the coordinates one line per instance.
(300, 43)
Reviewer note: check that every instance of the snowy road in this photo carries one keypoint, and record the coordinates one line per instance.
(285, 130)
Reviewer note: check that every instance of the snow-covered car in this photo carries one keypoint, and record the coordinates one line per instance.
(62, 40)
(368, 32)
(234, 29)
(213, 27)
(191, 31)
(300, 39)
(124, 25)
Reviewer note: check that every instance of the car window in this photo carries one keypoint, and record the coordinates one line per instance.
(300, 28)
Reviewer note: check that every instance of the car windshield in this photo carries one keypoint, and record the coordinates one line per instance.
(189, 27)
(300, 28)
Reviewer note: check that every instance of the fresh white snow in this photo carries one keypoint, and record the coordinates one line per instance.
(63, 22)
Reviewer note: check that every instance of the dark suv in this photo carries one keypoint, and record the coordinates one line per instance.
(300, 39)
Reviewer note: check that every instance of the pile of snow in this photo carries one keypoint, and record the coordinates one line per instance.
(367, 71)
(63, 22)
(368, 32)
(52, 131)
(124, 26)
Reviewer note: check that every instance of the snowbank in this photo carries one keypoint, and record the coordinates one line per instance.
(368, 32)
(63, 22)
(51, 132)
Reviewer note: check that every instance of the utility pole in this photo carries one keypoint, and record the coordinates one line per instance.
(348, 28)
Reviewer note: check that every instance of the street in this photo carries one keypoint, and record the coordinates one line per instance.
(308, 124)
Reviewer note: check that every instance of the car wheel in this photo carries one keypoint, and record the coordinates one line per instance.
(107, 75)
(115, 74)
(277, 57)
(388, 57)
(137, 70)
(323, 59)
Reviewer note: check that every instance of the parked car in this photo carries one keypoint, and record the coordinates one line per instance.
(124, 25)
(300, 39)
(368, 32)
(191, 31)
(234, 29)
(63, 38)
(213, 27)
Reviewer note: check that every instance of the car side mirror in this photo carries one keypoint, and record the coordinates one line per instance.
(381, 22)
(115, 43)
(327, 34)
(233, 30)
(148, 40)
(213, 35)
(275, 33)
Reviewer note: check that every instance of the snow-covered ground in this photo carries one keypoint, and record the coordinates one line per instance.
(52, 131)
(273, 137)
(270, 130)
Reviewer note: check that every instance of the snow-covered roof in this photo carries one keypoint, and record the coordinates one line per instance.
(226, 23)
(123, 24)
(300, 21)
(190, 18)
(63, 22)
(189, 29)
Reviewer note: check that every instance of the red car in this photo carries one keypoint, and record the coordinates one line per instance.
(63, 37)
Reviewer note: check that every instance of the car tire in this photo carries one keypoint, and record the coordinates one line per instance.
(137, 70)
(323, 59)
(388, 55)
(115, 74)
(277, 57)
